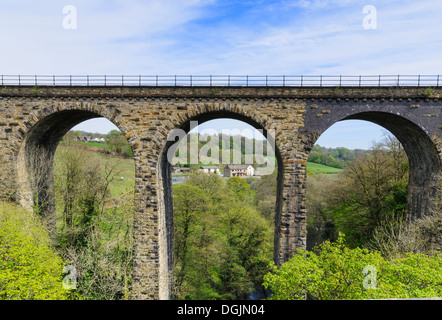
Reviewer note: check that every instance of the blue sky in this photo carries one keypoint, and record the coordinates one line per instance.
(202, 37)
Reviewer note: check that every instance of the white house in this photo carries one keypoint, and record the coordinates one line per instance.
(210, 169)
(239, 170)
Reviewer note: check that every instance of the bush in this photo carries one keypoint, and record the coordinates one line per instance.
(29, 269)
(338, 272)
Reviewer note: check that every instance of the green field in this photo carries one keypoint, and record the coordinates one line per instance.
(126, 169)
(99, 145)
(320, 168)
(123, 177)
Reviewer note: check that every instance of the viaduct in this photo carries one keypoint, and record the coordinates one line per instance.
(37, 117)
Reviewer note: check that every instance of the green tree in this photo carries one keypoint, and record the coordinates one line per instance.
(332, 162)
(314, 157)
(335, 271)
(29, 268)
(371, 190)
(93, 237)
(223, 244)
(191, 204)
(118, 143)
(248, 251)
(320, 222)
(241, 188)
(210, 183)
(265, 195)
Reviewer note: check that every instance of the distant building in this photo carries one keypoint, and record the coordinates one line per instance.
(98, 140)
(180, 170)
(84, 138)
(210, 169)
(239, 170)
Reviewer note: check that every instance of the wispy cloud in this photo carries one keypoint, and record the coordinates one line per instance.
(213, 37)
(221, 37)
(112, 36)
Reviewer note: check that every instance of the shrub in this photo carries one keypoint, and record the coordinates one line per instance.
(29, 269)
(338, 272)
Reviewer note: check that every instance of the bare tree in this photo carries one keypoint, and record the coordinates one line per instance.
(394, 238)
(94, 235)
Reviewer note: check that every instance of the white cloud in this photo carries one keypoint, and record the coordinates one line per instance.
(110, 34)
(185, 37)
(221, 37)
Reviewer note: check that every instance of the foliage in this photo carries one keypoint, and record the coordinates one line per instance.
(320, 221)
(334, 157)
(394, 238)
(211, 152)
(338, 272)
(241, 188)
(265, 196)
(29, 268)
(94, 229)
(118, 143)
(369, 191)
(222, 243)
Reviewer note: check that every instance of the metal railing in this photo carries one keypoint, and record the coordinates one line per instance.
(222, 80)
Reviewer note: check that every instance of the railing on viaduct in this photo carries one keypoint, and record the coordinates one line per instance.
(223, 80)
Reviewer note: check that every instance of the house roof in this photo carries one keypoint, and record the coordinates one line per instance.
(239, 166)
(209, 167)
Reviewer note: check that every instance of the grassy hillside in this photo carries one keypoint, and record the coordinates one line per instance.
(126, 169)
(320, 168)
(123, 169)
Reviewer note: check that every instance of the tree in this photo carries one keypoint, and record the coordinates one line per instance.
(335, 271)
(94, 238)
(241, 188)
(265, 195)
(190, 203)
(247, 254)
(320, 223)
(342, 153)
(222, 244)
(372, 189)
(314, 157)
(210, 183)
(118, 143)
(29, 268)
(332, 162)
(396, 237)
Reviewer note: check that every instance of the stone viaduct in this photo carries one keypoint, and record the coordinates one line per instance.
(36, 118)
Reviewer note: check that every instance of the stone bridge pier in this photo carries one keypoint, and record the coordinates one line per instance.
(33, 120)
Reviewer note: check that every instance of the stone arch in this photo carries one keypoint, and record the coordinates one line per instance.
(165, 187)
(425, 161)
(37, 149)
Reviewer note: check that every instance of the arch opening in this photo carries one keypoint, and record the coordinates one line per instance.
(408, 152)
(84, 190)
(173, 187)
(35, 160)
(423, 157)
